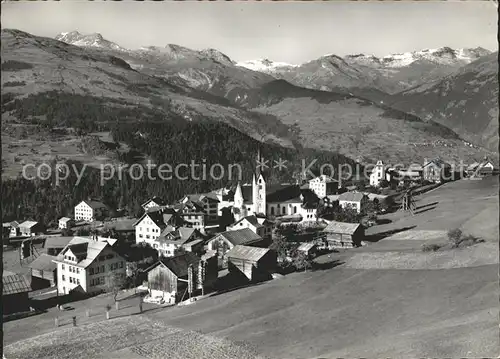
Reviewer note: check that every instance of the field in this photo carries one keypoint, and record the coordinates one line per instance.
(434, 310)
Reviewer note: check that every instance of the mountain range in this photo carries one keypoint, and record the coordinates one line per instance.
(352, 105)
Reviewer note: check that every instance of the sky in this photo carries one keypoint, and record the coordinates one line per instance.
(292, 32)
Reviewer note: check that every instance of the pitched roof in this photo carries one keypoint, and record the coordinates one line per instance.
(15, 283)
(14, 224)
(160, 217)
(85, 249)
(64, 219)
(28, 224)
(95, 204)
(247, 253)
(179, 264)
(155, 199)
(351, 196)
(57, 242)
(306, 247)
(341, 227)
(44, 263)
(251, 219)
(240, 236)
(436, 162)
(180, 235)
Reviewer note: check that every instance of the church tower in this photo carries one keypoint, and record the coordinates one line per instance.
(259, 190)
(240, 209)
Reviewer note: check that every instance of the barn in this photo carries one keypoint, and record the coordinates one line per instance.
(15, 293)
(257, 264)
(343, 235)
(43, 272)
(168, 278)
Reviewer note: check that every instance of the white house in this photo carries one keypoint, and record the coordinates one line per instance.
(154, 202)
(170, 243)
(154, 224)
(14, 229)
(258, 225)
(65, 223)
(209, 203)
(89, 210)
(323, 185)
(30, 228)
(88, 264)
(192, 212)
(354, 200)
(377, 175)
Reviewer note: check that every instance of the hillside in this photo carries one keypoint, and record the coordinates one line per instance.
(97, 83)
(368, 75)
(79, 85)
(357, 127)
(465, 101)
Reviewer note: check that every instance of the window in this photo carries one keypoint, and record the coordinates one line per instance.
(102, 269)
(147, 236)
(91, 271)
(78, 281)
(140, 235)
(121, 264)
(71, 279)
(77, 270)
(63, 278)
(101, 280)
(62, 267)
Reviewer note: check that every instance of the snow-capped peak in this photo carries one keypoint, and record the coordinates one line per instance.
(265, 65)
(91, 40)
(443, 55)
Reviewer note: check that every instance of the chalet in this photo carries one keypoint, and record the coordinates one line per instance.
(257, 264)
(309, 249)
(169, 277)
(87, 264)
(225, 241)
(31, 228)
(154, 202)
(343, 235)
(54, 245)
(66, 223)
(436, 171)
(15, 293)
(484, 168)
(207, 201)
(14, 229)
(193, 213)
(259, 225)
(323, 185)
(169, 244)
(43, 272)
(354, 200)
(155, 223)
(90, 211)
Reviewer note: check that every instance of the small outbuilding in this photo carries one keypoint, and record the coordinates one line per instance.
(343, 235)
(309, 249)
(43, 272)
(66, 223)
(257, 264)
(15, 293)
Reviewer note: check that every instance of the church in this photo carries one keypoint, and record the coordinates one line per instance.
(282, 200)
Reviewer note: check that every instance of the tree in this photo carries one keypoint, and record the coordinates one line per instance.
(114, 283)
(455, 236)
(301, 261)
(280, 246)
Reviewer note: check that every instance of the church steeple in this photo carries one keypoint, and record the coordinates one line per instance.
(259, 187)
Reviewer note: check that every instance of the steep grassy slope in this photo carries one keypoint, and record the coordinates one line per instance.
(33, 67)
(466, 101)
(350, 125)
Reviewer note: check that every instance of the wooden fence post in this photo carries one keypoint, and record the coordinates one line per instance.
(74, 321)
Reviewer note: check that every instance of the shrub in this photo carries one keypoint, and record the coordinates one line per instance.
(455, 236)
(430, 247)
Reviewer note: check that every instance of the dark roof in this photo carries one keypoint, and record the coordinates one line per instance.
(15, 283)
(57, 242)
(240, 236)
(351, 196)
(436, 162)
(155, 199)
(161, 217)
(252, 219)
(341, 227)
(181, 235)
(44, 263)
(95, 204)
(179, 264)
(253, 254)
